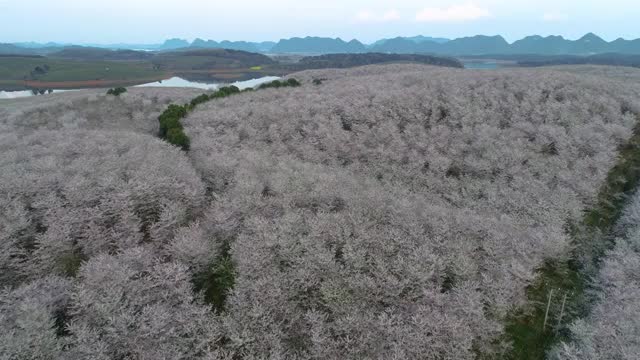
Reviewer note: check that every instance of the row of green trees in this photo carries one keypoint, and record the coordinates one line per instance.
(277, 83)
(171, 128)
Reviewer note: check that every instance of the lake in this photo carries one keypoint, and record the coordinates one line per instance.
(180, 82)
(487, 64)
(172, 82)
(480, 65)
(26, 93)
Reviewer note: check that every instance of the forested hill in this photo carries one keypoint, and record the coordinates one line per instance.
(353, 60)
(92, 53)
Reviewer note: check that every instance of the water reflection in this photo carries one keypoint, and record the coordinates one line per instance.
(180, 82)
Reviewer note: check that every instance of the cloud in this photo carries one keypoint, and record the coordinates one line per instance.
(368, 16)
(454, 13)
(391, 15)
(552, 17)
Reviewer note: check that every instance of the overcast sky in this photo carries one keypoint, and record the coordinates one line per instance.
(149, 21)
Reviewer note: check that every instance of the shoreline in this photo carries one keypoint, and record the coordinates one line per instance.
(225, 75)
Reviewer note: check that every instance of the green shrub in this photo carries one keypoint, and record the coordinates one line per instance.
(117, 91)
(218, 94)
(167, 124)
(176, 136)
(454, 171)
(217, 281)
(69, 263)
(277, 84)
(550, 149)
(170, 119)
(293, 82)
(175, 111)
(228, 90)
(273, 84)
(199, 100)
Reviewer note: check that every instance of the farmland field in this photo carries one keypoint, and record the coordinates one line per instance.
(55, 72)
(15, 71)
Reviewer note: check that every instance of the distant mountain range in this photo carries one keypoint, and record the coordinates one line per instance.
(416, 39)
(313, 44)
(234, 45)
(482, 45)
(463, 46)
(351, 60)
(308, 44)
(589, 44)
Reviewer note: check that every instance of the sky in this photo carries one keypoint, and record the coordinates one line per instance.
(153, 21)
